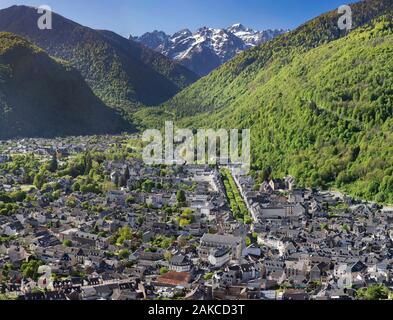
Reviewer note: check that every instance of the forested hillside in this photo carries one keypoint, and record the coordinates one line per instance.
(318, 102)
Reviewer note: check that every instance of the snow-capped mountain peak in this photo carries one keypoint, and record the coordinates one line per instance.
(237, 27)
(207, 48)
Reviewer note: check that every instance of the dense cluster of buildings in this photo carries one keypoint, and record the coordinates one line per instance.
(141, 241)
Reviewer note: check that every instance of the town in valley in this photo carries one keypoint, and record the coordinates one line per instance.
(84, 218)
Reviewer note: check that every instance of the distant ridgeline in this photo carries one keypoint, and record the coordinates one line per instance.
(121, 72)
(318, 101)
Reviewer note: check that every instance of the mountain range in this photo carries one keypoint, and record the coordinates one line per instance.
(207, 48)
(318, 101)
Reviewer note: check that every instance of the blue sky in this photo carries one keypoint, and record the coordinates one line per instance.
(138, 16)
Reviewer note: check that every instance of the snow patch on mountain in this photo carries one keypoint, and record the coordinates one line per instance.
(207, 48)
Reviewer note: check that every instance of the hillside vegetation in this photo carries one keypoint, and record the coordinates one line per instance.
(318, 102)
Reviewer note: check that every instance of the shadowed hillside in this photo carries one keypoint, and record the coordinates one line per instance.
(123, 73)
(42, 97)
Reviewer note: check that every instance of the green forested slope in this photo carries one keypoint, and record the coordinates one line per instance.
(248, 71)
(43, 97)
(327, 117)
(321, 112)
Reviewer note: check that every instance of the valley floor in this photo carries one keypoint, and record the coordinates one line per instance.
(85, 218)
